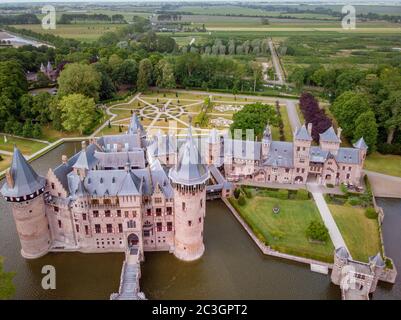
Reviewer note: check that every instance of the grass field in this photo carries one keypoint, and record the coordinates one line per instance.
(386, 164)
(27, 147)
(5, 163)
(360, 234)
(285, 231)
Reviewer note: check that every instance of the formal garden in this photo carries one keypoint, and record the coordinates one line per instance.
(286, 220)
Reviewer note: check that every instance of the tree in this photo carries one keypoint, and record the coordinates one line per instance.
(366, 127)
(144, 75)
(78, 112)
(317, 231)
(254, 116)
(389, 114)
(126, 72)
(347, 108)
(80, 78)
(165, 75)
(298, 77)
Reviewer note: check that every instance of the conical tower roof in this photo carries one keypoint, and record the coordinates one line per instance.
(135, 125)
(361, 144)
(303, 134)
(190, 169)
(25, 180)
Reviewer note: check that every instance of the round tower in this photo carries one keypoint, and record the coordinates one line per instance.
(341, 256)
(24, 191)
(377, 266)
(189, 178)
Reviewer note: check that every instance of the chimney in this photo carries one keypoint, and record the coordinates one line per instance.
(310, 128)
(83, 143)
(10, 179)
(339, 130)
(64, 159)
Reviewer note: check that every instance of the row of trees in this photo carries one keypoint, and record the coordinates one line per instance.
(26, 18)
(314, 114)
(97, 17)
(231, 47)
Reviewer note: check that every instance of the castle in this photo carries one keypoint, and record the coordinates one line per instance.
(134, 192)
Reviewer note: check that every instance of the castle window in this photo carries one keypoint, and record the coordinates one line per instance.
(201, 203)
(131, 224)
(149, 212)
(126, 214)
(146, 233)
(348, 175)
(53, 186)
(134, 213)
(169, 210)
(183, 206)
(118, 213)
(95, 214)
(95, 201)
(86, 230)
(56, 209)
(107, 214)
(169, 226)
(159, 227)
(77, 227)
(97, 228)
(109, 228)
(158, 212)
(59, 224)
(107, 201)
(120, 228)
(200, 219)
(158, 200)
(349, 168)
(84, 216)
(189, 223)
(287, 170)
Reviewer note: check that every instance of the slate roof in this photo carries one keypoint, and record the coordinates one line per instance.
(135, 158)
(281, 154)
(347, 156)
(361, 144)
(26, 180)
(303, 134)
(377, 260)
(342, 253)
(316, 154)
(329, 136)
(124, 142)
(190, 168)
(135, 125)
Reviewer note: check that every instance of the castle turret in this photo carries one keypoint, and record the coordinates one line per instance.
(189, 177)
(377, 267)
(363, 149)
(24, 191)
(266, 141)
(136, 128)
(341, 257)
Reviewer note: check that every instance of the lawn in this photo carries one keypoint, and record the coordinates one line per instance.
(286, 122)
(5, 163)
(27, 147)
(285, 231)
(360, 234)
(386, 164)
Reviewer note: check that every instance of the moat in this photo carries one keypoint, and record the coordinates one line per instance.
(231, 268)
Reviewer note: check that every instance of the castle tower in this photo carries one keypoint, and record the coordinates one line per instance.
(341, 257)
(302, 144)
(213, 149)
(189, 177)
(330, 141)
(377, 266)
(363, 149)
(266, 141)
(24, 191)
(136, 128)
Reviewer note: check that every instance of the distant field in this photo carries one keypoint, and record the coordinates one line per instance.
(83, 32)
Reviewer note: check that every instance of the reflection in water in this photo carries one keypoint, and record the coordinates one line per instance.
(231, 268)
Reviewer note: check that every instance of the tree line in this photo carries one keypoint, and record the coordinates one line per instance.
(96, 17)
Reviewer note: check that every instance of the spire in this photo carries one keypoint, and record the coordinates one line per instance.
(82, 161)
(25, 181)
(329, 136)
(361, 144)
(377, 260)
(190, 169)
(81, 190)
(135, 125)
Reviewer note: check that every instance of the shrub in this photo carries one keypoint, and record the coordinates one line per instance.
(371, 213)
(302, 194)
(241, 200)
(248, 192)
(344, 188)
(354, 201)
(317, 231)
(237, 193)
(329, 185)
